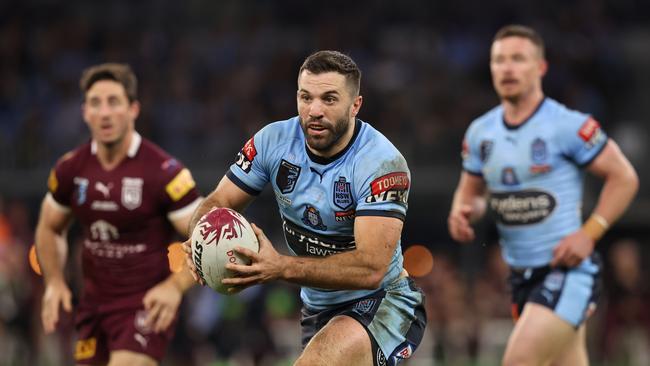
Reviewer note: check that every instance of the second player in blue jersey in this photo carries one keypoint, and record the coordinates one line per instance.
(529, 155)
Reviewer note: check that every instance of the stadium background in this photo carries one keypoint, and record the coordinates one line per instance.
(213, 72)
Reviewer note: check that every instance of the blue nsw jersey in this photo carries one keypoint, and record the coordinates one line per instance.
(534, 175)
(319, 198)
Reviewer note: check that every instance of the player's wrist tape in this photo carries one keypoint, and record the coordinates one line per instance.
(595, 226)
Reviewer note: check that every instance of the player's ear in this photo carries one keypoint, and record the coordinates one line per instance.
(356, 105)
(543, 67)
(134, 109)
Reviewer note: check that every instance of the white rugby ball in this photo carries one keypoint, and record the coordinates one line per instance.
(214, 237)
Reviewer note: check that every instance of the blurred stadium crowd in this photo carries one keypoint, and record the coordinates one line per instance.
(213, 72)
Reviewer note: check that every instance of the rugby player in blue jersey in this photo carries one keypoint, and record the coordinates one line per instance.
(524, 160)
(342, 191)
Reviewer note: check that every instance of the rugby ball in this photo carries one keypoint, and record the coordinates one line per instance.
(214, 238)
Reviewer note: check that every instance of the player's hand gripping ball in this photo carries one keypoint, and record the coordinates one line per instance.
(215, 236)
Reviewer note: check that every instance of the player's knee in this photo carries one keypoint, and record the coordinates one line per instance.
(519, 359)
(310, 359)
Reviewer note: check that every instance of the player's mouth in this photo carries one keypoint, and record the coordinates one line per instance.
(509, 81)
(316, 129)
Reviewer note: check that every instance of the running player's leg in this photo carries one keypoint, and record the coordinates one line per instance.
(343, 341)
(539, 337)
(129, 358)
(575, 353)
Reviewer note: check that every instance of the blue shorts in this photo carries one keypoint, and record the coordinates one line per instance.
(571, 293)
(394, 318)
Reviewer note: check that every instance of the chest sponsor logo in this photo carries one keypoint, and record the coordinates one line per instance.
(246, 156)
(82, 189)
(485, 150)
(287, 176)
(591, 133)
(304, 242)
(391, 187)
(131, 192)
(521, 207)
(311, 217)
(509, 177)
(342, 194)
(103, 231)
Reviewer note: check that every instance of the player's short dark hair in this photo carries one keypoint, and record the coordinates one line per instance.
(120, 73)
(334, 61)
(517, 30)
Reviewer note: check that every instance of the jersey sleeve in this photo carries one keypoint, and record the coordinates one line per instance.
(250, 172)
(180, 195)
(60, 183)
(582, 140)
(471, 152)
(382, 186)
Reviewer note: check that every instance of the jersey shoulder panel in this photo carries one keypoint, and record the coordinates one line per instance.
(580, 137)
(255, 161)
(473, 146)
(169, 174)
(381, 175)
(60, 182)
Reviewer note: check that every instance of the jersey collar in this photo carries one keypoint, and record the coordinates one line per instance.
(136, 141)
(324, 161)
(514, 127)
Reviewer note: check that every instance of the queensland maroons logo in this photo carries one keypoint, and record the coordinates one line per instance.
(220, 223)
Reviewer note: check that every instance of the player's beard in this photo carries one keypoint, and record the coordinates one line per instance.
(325, 142)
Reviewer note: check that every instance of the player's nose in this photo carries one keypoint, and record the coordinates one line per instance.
(316, 109)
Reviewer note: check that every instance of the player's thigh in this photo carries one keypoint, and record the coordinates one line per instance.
(343, 341)
(130, 358)
(575, 353)
(539, 337)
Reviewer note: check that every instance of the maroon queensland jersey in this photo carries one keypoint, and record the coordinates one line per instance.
(124, 214)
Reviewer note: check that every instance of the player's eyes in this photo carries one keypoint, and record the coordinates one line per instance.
(329, 100)
(305, 98)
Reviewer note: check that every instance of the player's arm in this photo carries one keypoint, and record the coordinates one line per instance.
(227, 194)
(620, 186)
(363, 268)
(51, 249)
(468, 205)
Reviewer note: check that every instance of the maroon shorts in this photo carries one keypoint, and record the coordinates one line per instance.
(116, 325)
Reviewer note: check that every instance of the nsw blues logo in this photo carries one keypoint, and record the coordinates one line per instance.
(287, 176)
(311, 217)
(342, 194)
(538, 151)
(539, 156)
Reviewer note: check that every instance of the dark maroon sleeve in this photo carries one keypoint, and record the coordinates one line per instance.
(177, 184)
(60, 183)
